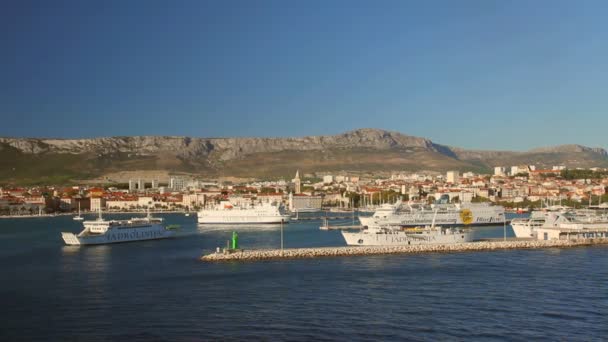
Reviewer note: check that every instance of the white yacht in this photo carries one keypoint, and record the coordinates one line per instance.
(228, 213)
(102, 231)
(416, 214)
(391, 236)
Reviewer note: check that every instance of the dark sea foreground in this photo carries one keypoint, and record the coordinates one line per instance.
(158, 290)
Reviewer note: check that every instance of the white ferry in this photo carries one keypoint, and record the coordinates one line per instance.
(387, 236)
(413, 215)
(574, 221)
(227, 213)
(102, 231)
(526, 227)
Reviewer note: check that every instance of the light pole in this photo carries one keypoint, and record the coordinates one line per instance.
(504, 221)
(281, 236)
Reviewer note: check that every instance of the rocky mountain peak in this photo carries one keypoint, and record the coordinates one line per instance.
(572, 148)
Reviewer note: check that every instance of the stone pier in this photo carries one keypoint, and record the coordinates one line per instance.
(299, 253)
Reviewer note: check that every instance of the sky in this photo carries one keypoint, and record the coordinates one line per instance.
(507, 75)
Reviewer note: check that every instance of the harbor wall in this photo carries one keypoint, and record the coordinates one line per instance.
(299, 253)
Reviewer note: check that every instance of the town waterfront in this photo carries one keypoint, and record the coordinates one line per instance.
(159, 290)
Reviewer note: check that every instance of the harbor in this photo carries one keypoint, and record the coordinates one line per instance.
(157, 273)
(299, 253)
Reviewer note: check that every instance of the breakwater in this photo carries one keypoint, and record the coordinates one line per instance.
(299, 253)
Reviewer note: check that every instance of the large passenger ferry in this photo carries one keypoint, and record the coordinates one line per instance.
(102, 231)
(387, 236)
(445, 214)
(228, 213)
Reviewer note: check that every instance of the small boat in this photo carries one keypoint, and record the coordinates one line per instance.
(325, 225)
(79, 217)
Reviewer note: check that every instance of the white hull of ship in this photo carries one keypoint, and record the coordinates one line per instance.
(307, 210)
(118, 235)
(243, 219)
(426, 219)
(523, 231)
(404, 239)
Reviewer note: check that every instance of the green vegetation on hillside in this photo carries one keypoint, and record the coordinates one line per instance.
(583, 174)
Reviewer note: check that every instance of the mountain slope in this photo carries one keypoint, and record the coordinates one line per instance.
(27, 160)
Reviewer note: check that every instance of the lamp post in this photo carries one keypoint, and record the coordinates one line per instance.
(504, 221)
(281, 236)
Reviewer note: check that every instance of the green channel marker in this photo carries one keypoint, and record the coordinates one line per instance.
(235, 240)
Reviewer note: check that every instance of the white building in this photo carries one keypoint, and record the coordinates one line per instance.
(131, 185)
(270, 198)
(299, 202)
(97, 203)
(177, 183)
(192, 200)
(453, 177)
(328, 179)
(499, 171)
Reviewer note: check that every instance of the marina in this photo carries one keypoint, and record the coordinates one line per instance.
(153, 276)
(311, 171)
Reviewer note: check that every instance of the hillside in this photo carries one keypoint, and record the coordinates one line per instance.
(34, 160)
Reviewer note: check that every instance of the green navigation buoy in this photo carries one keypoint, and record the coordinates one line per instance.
(235, 240)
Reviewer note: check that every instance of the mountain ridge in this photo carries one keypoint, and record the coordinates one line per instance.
(366, 149)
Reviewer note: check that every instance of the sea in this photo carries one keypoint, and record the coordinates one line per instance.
(160, 290)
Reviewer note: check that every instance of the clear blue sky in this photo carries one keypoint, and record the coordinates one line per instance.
(476, 74)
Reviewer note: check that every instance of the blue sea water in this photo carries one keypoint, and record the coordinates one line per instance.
(160, 291)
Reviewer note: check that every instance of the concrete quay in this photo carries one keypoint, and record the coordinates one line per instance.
(300, 253)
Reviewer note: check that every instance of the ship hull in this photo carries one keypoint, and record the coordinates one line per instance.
(118, 236)
(523, 231)
(417, 223)
(243, 219)
(425, 218)
(404, 239)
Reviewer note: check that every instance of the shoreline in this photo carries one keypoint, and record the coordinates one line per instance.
(94, 214)
(348, 251)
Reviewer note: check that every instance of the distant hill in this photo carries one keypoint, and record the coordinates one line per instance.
(35, 160)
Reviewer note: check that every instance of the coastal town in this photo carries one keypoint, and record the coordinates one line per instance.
(517, 188)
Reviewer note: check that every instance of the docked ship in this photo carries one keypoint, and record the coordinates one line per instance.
(228, 213)
(447, 214)
(525, 227)
(100, 231)
(576, 221)
(391, 236)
